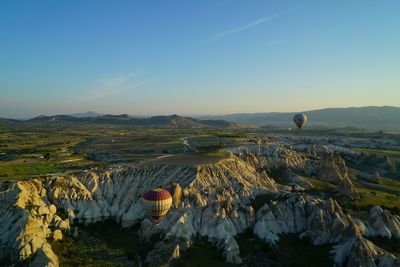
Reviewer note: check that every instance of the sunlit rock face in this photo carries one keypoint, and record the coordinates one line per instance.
(319, 162)
(27, 220)
(272, 156)
(212, 201)
(332, 169)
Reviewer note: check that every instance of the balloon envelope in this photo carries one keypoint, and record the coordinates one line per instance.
(300, 119)
(157, 202)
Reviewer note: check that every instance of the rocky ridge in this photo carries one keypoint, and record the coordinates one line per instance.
(211, 201)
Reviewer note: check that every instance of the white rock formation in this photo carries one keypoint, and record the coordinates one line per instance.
(176, 253)
(26, 217)
(373, 178)
(382, 223)
(211, 201)
(57, 235)
(322, 222)
(296, 179)
(273, 156)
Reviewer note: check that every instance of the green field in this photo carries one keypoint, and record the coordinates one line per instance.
(37, 151)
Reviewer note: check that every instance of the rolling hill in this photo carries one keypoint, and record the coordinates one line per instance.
(172, 121)
(377, 118)
(88, 114)
(374, 118)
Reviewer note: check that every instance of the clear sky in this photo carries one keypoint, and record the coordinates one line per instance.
(196, 57)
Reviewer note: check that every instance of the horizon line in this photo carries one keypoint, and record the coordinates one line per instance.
(194, 114)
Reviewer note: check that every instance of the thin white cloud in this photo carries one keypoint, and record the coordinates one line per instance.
(111, 86)
(246, 26)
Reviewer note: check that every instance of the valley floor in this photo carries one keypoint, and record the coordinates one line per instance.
(247, 197)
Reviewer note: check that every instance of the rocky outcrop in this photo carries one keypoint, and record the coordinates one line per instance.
(322, 165)
(57, 235)
(272, 156)
(27, 220)
(44, 257)
(332, 169)
(382, 223)
(177, 196)
(346, 189)
(321, 221)
(175, 254)
(232, 251)
(209, 201)
(359, 251)
(373, 178)
(296, 179)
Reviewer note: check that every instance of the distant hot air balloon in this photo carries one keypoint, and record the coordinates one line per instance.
(300, 119)
(157, 203)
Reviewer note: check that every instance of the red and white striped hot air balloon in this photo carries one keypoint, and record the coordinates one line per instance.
(157, 203)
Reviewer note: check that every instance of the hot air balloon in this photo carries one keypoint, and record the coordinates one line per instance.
(300, 119)
(157, 203)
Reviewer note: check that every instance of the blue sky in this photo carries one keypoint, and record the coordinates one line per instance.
(196, 57)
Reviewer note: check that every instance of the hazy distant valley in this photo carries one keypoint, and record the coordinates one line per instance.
(378, 118)
(372, 118)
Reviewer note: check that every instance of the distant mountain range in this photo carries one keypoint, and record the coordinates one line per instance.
(90, 118)
(88, 114)
(378, 118)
